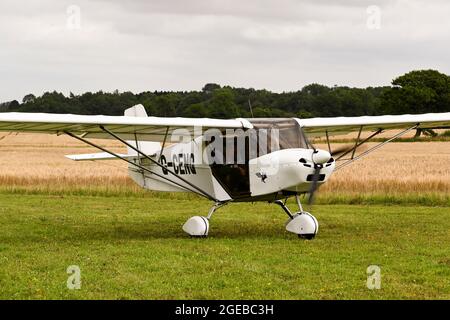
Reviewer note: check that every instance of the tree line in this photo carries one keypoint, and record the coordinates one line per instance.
(420, 91)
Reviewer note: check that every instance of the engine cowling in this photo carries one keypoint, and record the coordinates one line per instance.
(288, 169)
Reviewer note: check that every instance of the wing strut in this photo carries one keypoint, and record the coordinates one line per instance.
(328, 141)
(358, 144)
(159, 164)
(375, 147)
(199, 191)
(163, 144)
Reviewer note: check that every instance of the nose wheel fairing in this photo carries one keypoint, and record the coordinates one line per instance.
(302, 223)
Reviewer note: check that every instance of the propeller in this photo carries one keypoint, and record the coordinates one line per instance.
(319, 157)
(314, 184)
(341, 150)
(346, 149)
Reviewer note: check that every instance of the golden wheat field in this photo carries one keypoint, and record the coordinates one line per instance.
(37, 161)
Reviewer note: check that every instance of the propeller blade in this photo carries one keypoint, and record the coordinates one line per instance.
(341, 150)
(314, 184)
(347, 148)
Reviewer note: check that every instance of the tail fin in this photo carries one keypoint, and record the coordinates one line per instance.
(146, 147)
(136, 111)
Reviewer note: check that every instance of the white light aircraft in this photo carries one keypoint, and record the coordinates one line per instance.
(227, 161)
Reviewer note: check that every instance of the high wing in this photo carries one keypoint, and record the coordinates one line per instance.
(127, 127)
(316, 127)
(157, 128)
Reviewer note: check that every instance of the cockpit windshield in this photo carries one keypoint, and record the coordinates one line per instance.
(279, 134)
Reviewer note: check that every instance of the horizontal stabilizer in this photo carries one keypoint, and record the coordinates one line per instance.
(97, 156)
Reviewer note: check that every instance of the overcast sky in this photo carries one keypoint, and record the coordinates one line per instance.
(280, 45)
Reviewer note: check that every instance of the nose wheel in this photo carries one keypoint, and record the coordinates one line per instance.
(302, 223)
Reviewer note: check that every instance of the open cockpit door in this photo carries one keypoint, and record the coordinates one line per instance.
(240, 147)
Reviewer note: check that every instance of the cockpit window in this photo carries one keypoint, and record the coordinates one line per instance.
(279, 134)
(267, 136)
(230, 155)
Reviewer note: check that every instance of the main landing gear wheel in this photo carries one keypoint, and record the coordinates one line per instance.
(197, 226)
(302, 223)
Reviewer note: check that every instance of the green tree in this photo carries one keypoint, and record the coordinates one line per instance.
(29, 98)
(210, 87)
(222, 104)
(415, 92)
(418, 92)
(198, 110)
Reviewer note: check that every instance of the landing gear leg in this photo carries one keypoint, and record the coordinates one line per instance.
(302, 223)
(198, 226)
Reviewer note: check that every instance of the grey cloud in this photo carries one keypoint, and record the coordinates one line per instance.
(180, 45)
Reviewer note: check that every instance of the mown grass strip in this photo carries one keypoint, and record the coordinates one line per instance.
(331, 198)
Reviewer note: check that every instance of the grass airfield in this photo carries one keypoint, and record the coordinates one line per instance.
(391, 209)
(132, 247)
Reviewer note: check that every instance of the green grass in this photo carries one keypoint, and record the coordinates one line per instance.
(132, 247)
(329, 198)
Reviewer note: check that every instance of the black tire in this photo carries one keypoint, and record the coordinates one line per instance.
(306, 236)
(199, 237)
